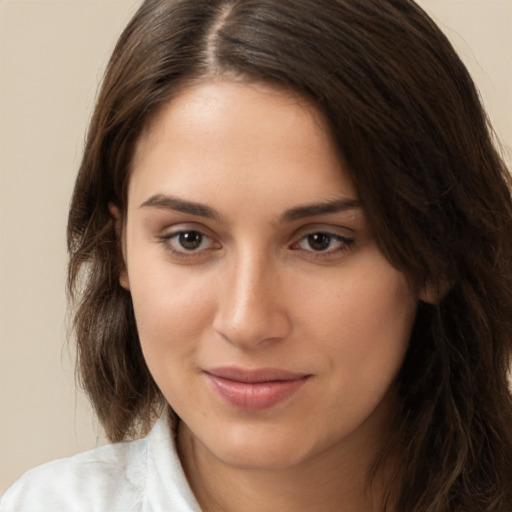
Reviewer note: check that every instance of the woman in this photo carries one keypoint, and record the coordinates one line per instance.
(290, 241)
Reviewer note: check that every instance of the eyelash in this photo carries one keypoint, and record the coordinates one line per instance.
(343, 244)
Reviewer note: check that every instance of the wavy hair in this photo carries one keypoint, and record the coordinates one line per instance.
(408, 121)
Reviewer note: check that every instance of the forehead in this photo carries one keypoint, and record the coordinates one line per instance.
(252, 138)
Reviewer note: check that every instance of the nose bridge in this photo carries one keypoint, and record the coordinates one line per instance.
(252, 307)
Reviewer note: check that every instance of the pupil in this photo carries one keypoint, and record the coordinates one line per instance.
(319, 241)
(190, 239)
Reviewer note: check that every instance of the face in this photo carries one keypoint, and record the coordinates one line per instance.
(267, 315)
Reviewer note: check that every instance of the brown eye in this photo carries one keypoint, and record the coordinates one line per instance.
(189, 243)
(323, 244)
(319, 241)
(190, 240)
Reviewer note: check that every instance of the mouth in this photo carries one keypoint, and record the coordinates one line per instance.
(254, 389)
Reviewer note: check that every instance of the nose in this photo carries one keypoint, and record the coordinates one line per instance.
(252, 309)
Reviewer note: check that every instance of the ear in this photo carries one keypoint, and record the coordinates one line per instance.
(433, 293)
(123, 274)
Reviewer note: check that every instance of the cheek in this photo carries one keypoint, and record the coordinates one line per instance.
(171, 317)
(172, 308)
(364, 322)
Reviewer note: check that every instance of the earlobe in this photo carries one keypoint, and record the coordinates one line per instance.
(123, 274)
(116, 214)
(433, 293)
(123, 279)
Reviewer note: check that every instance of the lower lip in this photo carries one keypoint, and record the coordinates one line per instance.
(254, 396)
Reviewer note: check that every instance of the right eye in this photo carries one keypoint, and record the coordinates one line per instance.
(188, 242)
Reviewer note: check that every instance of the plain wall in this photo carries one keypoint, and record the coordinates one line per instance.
(52, 55)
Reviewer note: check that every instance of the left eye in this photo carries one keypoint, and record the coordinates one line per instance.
(323, 242)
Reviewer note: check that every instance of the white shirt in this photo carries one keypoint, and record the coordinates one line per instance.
(137, 476)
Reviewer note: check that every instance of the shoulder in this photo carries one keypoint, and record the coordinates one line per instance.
(110, 478)
(123, 477)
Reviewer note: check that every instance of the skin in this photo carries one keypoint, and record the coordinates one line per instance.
(257, 290)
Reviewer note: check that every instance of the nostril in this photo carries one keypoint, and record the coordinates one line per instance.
(252, 305)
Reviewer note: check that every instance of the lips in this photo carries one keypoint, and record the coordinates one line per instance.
(254, 389)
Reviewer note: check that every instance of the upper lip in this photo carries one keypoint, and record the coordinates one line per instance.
(254, 375)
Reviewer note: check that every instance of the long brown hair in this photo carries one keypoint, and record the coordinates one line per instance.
(408, 121)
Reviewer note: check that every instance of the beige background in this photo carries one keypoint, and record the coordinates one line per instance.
(52, 54)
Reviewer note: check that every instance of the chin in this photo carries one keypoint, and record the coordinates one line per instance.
(259, 451)
(258, 459)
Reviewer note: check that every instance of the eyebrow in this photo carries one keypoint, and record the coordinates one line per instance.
(299, 212)
(173, 203)
(310, 210)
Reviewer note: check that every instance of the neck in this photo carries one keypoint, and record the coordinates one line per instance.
(334, 481)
